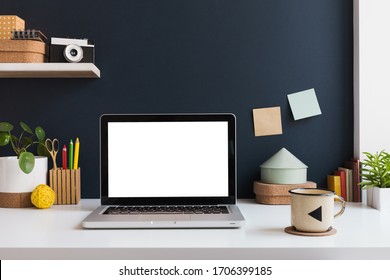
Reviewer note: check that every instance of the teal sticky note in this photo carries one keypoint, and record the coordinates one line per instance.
(304, 104)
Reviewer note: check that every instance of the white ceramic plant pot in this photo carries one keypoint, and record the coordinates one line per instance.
(369, 196)
(14, 180)
(379, 198)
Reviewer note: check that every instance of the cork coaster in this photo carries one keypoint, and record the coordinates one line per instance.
(277, 194)
(292, 230)
(15, 200)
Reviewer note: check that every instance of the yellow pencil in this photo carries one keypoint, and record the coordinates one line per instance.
(76, 154)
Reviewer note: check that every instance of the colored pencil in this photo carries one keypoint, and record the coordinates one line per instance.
(76, 154)
(64, 157)
(70, 155)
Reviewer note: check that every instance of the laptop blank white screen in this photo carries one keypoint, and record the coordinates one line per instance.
(168, 159)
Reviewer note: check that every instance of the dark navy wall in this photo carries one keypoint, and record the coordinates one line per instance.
(197, 56)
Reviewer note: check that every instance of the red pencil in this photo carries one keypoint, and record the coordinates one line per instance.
(64, 158)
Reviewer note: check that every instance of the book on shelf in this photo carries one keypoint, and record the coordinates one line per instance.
(343, 183)
(354, 165)
(348, 182)
(334, 184)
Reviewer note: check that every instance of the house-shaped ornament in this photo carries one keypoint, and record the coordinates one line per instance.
(283, 168)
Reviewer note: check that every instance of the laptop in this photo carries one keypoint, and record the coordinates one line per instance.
(167, 171)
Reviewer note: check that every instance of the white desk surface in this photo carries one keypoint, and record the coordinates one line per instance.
(56, 233)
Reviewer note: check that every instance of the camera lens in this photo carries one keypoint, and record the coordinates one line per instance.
(73, 53)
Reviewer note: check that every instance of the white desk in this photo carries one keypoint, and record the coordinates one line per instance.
(56, 233)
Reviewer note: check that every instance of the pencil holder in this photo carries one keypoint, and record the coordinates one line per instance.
(66, 185)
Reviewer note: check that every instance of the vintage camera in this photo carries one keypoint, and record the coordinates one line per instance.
(72, 50)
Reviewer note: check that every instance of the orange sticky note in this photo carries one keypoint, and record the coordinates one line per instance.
(267, 121)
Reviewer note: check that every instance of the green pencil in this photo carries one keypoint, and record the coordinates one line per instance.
(70, 160)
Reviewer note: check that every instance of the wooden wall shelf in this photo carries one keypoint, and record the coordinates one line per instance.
(49, 70)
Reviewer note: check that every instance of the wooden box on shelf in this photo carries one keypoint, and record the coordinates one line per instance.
(9, 23)
(66, 184)
(23, 51)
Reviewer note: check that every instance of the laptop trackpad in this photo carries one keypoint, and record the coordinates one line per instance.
(165, 217)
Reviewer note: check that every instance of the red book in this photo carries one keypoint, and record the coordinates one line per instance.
(343, 182)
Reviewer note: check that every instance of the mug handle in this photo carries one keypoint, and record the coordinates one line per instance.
(342, 205)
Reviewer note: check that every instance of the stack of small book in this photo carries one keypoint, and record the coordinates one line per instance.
(345, 181)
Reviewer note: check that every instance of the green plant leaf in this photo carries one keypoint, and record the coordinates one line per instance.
(26, 141)
(26, 127)
(375, 170)
(6, 127)
(14, 143)
(42, 151)
(365, 184)
(26, 162)
(4, 139)
(40, 133)
(386, 183)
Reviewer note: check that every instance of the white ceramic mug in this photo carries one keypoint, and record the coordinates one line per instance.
(312, 210)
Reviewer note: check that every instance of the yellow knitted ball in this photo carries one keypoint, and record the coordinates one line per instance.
(43, 196)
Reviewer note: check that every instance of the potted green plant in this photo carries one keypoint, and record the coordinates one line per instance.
(375, 175)
(21, 173)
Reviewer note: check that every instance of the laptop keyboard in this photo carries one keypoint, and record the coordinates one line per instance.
(136, 210)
